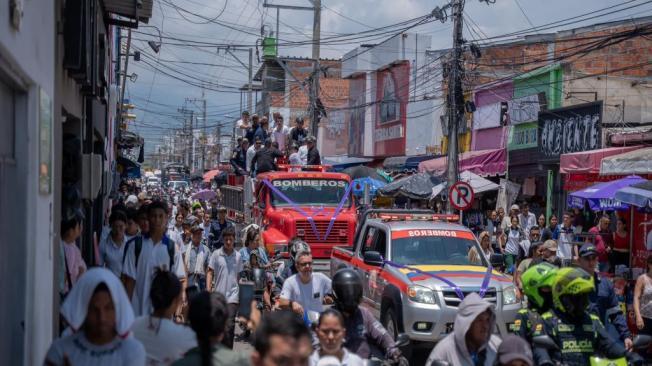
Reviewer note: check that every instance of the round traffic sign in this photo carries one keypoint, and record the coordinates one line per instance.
(460, 195)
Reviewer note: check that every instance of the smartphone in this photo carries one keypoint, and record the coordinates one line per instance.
(245, 297)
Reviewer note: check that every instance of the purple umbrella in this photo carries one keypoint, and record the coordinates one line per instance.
(204, 195)
(601, 196)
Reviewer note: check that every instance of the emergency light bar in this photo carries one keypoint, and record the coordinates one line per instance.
(304, 168)
(419, 217)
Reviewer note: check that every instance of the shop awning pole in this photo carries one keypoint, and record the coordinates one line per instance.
(631, 233)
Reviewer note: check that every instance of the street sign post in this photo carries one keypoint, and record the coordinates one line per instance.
(460, 196)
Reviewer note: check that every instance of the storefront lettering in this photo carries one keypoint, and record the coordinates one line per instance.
(570, 130)
(388, 133)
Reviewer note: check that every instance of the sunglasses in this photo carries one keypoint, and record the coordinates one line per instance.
(305, 264)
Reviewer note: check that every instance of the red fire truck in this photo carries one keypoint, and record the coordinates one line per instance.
(311, 203)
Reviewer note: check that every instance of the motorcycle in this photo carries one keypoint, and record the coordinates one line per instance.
(402, 340)
(641, 341)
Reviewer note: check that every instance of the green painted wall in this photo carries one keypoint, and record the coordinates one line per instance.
(548, 80)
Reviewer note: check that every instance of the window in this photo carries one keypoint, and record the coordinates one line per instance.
(368, 243)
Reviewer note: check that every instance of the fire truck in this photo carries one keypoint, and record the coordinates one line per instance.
(307, 202)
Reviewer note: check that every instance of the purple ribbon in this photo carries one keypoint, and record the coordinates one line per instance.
(297, 208)
(458, 291)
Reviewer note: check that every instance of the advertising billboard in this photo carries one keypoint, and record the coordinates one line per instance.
(392, 94)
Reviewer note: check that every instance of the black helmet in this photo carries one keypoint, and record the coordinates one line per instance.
(347, 286)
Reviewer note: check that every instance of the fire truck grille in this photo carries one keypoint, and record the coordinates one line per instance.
(338, 234)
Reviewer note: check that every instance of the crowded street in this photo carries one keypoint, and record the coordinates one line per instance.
(326, 182)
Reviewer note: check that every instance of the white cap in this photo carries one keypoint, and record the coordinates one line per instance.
(515, 207)
(131, 200)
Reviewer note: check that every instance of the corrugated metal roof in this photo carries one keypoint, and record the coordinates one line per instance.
(134, 9)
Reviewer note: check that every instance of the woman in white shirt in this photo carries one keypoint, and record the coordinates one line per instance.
(100, 316)
(164, 340)
(514, 237)
(331, 332)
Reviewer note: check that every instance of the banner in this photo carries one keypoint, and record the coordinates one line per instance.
(642, 232)
(569, 129)
(526, 109)
(507, 193)
(356, 115)
(392, 91)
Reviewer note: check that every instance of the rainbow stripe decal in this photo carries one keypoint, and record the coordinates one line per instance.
(452, 272)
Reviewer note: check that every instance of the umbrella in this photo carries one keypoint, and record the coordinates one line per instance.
(362, 171)
(210, 175)
(601, 196)
(204, 195)
(417, 186)
(639, 194)
(360, 183)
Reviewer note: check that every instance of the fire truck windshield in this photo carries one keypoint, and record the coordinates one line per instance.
(302, 192)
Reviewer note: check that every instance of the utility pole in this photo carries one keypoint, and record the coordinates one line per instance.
(251, 80)
(455, 93)
(203, 133)
(316, 31)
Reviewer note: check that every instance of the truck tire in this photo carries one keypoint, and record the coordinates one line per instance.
(391, 325)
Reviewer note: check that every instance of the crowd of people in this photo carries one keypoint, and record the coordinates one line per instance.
(165, 288)
(261, 146)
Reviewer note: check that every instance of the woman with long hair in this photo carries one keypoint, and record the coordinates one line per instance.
(100, 316)
(485, 247)
(331, 332)
(208, 317)
(165, 341)
(620, 253)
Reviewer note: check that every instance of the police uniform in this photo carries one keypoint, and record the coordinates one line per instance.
(576, 342)
(523, 324)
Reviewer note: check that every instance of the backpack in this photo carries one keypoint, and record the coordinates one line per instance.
(138, 242)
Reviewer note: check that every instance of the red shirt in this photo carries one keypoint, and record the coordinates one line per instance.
(602, 240)
(621, 243)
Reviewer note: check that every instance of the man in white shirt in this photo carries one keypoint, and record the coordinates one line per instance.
(112, 247)
(305, 292)
(280, 133)
(527, 219)
(567, 250)
(251, 152)
(224, 268)
(157, 252)
(243, 124)
(303, 152)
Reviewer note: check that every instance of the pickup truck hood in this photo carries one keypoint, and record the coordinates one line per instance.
(462, 276)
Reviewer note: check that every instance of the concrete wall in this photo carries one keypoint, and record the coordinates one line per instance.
(27, 323)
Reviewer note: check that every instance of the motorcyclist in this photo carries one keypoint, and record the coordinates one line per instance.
(289, 268)
(365, 336)
(577, 334)
(537, 286)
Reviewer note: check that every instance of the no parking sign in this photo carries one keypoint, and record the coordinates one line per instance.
(460, 195)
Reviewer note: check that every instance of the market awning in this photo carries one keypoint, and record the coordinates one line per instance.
(339, 163)
(405, 163)
(476, 182)
(633, 162)
(639, 194)
(484, 163)
(210, 175)
(588, 162)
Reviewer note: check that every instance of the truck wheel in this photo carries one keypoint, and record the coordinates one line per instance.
(391, 325)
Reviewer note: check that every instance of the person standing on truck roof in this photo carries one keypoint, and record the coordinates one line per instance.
(239, 158)
(251, 152)
(365, 336)
(243, 124)
(471, 343)
(305, 292)
(313, 153)
(251, 131)
(280, 133)
(262, 132)
(265, 159)
(298, 133)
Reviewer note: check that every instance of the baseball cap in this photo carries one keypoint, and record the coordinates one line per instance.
(587, 250)
(131, 200)
(515, 207)
(245, 140)
(514, 348)
(311, 139)
(550, 245)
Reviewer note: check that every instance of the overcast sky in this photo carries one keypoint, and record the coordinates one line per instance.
(158, 96)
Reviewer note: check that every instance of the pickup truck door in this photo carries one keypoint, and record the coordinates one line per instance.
(366, 243)
(376, 281)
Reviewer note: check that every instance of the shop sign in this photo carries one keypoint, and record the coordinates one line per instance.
(523, 136)
(569, 130)
(388, 133)
(526, 109)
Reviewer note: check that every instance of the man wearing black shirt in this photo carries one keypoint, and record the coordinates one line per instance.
(264, 160)
(313, 153)
(239, 158)
(298, 132)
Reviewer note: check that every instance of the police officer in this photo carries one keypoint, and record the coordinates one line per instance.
(537, 282)
(577, 334)
(603, 300)
(364, 334)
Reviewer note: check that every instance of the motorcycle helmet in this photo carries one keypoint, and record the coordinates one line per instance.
(535, 278)
(297, 246)
(347, 287)
(571, 289)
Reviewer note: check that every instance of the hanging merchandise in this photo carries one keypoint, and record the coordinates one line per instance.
(507, 193)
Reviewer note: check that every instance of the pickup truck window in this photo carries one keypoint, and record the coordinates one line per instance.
(432, 250)
(302, 192)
